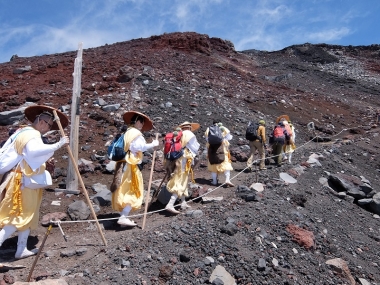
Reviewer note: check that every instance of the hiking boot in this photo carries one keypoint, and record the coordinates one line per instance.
(229, 183)
(263, 168)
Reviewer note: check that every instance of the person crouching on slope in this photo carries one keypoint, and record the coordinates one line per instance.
(129, 195)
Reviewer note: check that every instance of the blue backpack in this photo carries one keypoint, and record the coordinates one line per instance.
(116, 148)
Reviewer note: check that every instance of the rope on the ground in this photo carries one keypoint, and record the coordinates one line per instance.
(191, 200)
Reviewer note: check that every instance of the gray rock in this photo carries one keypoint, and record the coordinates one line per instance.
(261, 266)
(100, 102)
(68, 253)
(81, 251)
(78, 211)
(111, 108)
(21, 70)
(362, 202)
(103, 199)
(230, 229)
(221, 273)
(366, 188)
(364, 282)
(375, 204)
(356, 193)
(194, 213)
(110, 166)
(98, 187)
(11, 117)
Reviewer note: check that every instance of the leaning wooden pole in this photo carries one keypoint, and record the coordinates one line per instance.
(39, 252)
(84, 191)
(149, 185)
(72, 178)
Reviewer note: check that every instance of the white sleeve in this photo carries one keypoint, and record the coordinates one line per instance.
(228, 137)
(193, 145)
(36, 147)
(139, 144)
(36, 152)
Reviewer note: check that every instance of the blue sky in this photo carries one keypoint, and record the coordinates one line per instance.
(37, 27)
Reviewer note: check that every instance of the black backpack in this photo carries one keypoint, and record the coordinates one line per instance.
(251, 132)
(215, 135)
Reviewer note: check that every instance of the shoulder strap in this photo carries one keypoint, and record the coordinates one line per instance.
(14, 136)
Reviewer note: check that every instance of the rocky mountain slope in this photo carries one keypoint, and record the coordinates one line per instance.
(323, 229)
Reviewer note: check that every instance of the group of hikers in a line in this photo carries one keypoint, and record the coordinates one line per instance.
(20, 200)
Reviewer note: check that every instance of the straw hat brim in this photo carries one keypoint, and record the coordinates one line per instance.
(32, 112)
(194, 126)
(286, 117)
(148, 124)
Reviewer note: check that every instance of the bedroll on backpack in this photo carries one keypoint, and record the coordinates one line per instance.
(251, 133)
(215, 135)
(115, 150)
(172, 146)
(8, 155)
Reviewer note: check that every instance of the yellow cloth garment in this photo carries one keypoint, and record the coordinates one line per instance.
(289, 148)
(226, 164)
(20, 207)
(178, 182)
(131, 189)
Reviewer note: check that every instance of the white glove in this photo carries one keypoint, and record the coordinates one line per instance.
(155, 143)
(63, 141)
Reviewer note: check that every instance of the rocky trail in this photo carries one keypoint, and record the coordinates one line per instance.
(322, 229)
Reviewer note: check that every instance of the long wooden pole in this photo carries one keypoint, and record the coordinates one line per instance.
(84, 191)
(149, 185)
(72, 178)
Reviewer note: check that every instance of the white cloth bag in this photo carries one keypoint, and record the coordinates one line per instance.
(37, 181)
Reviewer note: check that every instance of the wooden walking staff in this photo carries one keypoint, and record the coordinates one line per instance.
(84, 191)
(149, 185)
(39, 252)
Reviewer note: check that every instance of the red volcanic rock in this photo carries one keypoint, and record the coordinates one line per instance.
(301, 236)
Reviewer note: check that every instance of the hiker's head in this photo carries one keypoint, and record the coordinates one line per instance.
(138, 120)
(281, 123)
(215, 121)
(189, 126)
(262, 122)
(42, 118)
(43, 122)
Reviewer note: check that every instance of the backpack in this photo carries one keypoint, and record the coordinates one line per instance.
(9, 157)
(251, 133)
(172, 146)
(116, 150)
(215, 135)
(278, 133)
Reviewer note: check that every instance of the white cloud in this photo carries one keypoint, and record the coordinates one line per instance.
(327, 35)
(259, 24)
